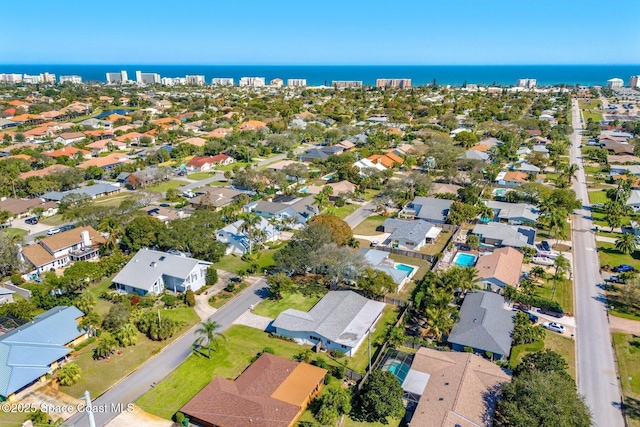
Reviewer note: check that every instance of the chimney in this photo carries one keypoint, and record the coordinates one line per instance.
(86, 240)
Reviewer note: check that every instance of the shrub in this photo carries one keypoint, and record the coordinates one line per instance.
(178, 417)
(212, 276)
(135, 300)
(338, 371)
(321, 363)
(190, 298)
(169, 300)
(17, 279)
(468, 349)
(230, 287)
(268, 350)
(336, 354)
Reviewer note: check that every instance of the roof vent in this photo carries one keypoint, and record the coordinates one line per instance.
(446, 383)
(162, 258)
(153, 264)
(441, 399)
(137, 260)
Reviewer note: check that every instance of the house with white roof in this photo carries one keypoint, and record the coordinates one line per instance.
(634, 200)
(513, 213)
(153, 272)
(341, 321)
(237, 239)
(368, 164)
(34, 350)
(379, 260)
(410, 235)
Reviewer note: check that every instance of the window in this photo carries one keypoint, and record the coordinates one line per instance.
(343, 346)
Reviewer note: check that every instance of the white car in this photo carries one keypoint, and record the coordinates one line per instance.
(555, 327)
(53, 231)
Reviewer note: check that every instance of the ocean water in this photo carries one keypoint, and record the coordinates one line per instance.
(588, 75)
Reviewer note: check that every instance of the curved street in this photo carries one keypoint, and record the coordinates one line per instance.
(596, 368)
(132, 387)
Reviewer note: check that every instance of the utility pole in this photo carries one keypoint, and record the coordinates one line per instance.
(87, 398)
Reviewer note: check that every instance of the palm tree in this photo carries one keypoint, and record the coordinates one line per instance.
(69, 374)
(208, 332)
(321, 200)
(439, 321)
(556, 220)
(568, 173)
(485, 212)
(562, 265)
(127, 335)
(114, 228)
(251, 220)
(626, 243)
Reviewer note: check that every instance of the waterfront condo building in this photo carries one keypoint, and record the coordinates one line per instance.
(147, 78)
(222, 81)
(71, 79)
(252, 81)
(526, 83)
(172, 81)
(195, 80)
(117, 78)
(634, 82)
(297, 82)
(615, 82)
(10, 78)
(394, 83)
(346, 84)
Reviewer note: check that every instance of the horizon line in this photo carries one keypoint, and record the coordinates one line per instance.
(324, 65)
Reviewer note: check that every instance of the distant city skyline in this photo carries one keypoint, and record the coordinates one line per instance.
(288, 32)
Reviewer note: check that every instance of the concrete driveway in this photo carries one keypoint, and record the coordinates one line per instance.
(139, 418)
(54, 400)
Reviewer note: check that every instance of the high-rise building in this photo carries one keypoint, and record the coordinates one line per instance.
(47, 78)
(297, 82)
(615, 82)
(195, 80)
(526, 83)
(172, 81)
(252, 81)
(346, 84)
(634, 82)
(117, 78)
(394, 83)
(147, 78)
(26, 78)
(222, 81)
(71, 79)
(10, 78)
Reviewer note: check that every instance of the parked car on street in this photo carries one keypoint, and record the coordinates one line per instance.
(53, 231)
(623, 268)
(555, 327)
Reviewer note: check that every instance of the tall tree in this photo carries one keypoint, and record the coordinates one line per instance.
(626, 243)
(380, 397)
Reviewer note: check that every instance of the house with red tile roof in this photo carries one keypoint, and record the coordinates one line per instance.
(41, 173)
(252, 125)
(271, 392)
(104, 145)
(69, 151)
(387, 160)
(219, 133)
(205, 163)
(108, 162)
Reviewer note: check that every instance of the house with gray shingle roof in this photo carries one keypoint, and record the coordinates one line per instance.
(35, 349)
(513, 213)
(298, 210)
(428, 208)
(484, 325)
(152, 272)
(92, 191)
(340, 321)
(408, 234)
(497, 234)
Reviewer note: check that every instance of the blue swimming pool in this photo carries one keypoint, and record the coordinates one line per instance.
(399, 369)
(407, 268)
(465, 260)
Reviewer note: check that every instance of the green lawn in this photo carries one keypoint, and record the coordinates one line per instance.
(370, 194)
(439, 245)
(544, 234)
(598, 197)
(360, 361)
(164, 186)
(233, 263)
(234, 355)
(230, 166)
(99, 375)
(271, 308)
(628, 355)
(552, 341)
(609, 255)
(114, 200)
(593, 104)
(369, 226)
(564, 293)
(344, 211)
(53, 220)
(19, 232)
(307, 419)
(102, 305)
(591, 114)
(198, 176)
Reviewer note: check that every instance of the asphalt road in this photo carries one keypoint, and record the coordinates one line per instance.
(360, 214)
(596, 366)
(131, 388)
(219, 176)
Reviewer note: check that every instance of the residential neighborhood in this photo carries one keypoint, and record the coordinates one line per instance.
(281, 255)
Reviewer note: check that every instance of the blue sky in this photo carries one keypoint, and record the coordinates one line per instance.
(328, 32)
